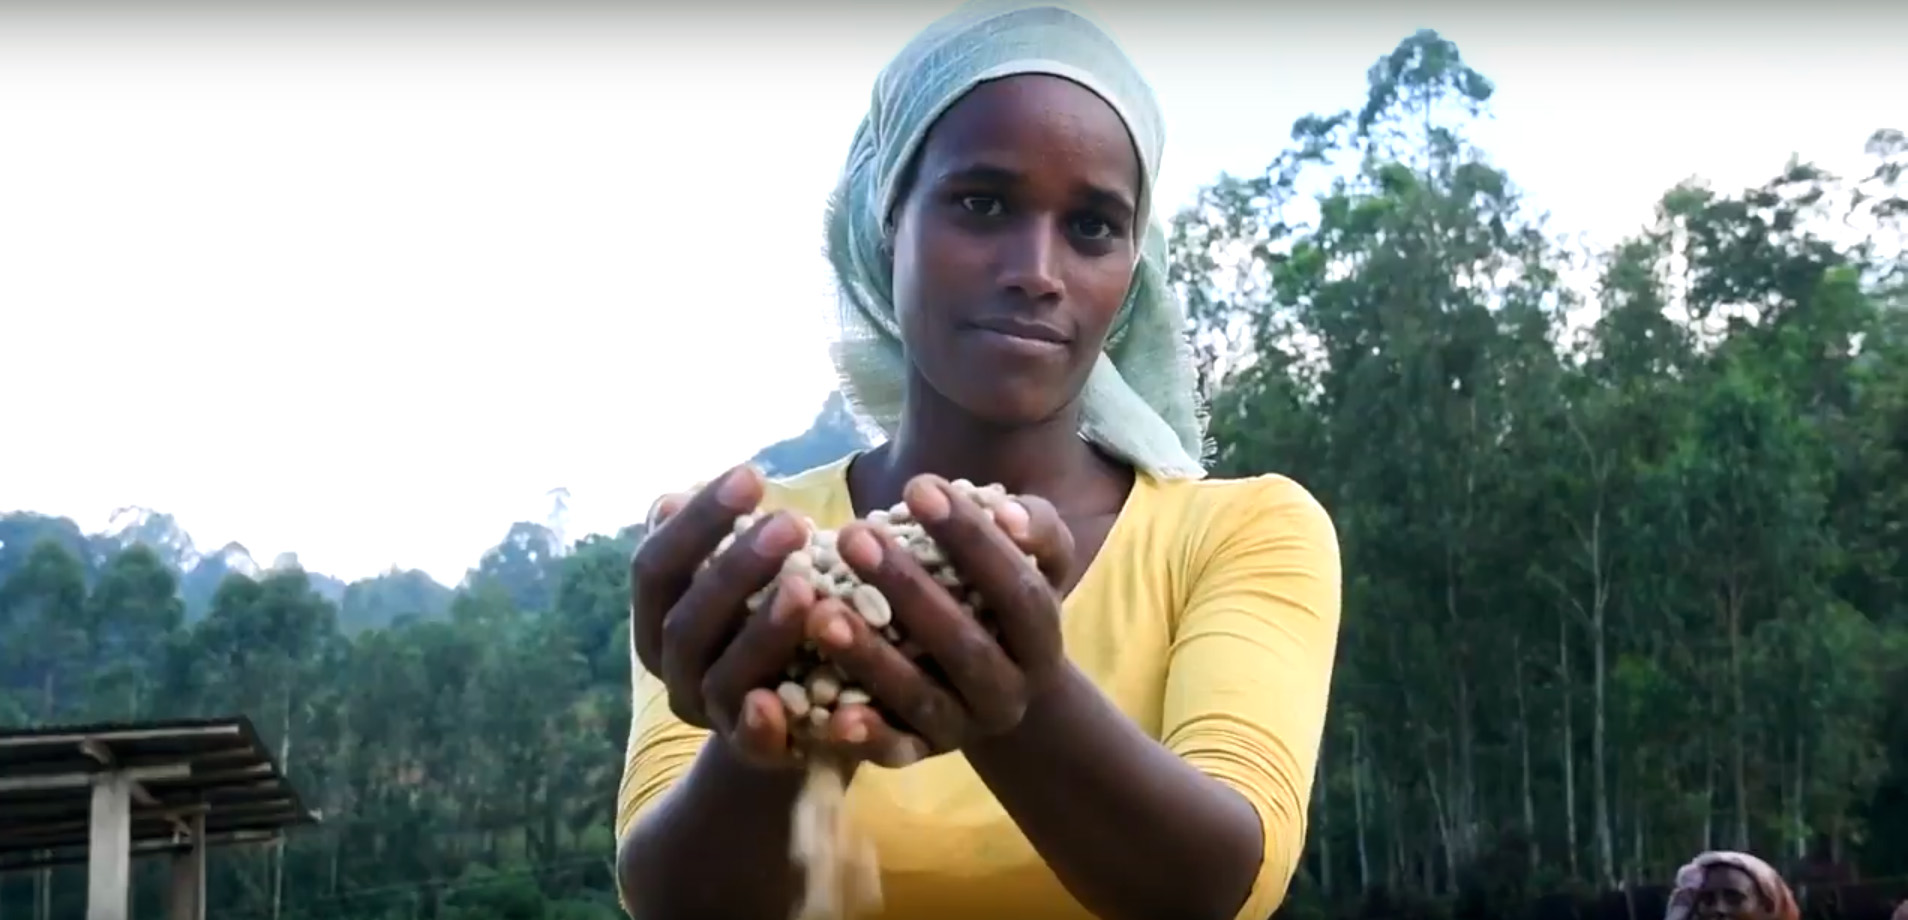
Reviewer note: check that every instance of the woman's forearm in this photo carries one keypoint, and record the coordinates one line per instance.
(1131, 830)
(716, 845)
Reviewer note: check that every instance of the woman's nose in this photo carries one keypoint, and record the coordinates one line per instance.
(1031, 263)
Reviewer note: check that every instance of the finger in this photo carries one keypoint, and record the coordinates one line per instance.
(1036, 527)
(645, 617)
(666, 561)
(696, 630)
(761, 736)
(769, 639)
(858, 733)
(975, 665)
(666, 508)
(1019, 595)
(873, 662)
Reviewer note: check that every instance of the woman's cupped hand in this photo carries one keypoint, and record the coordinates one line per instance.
(693, 629)
(984, 685)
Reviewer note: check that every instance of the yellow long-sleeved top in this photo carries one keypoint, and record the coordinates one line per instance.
(1209, 617)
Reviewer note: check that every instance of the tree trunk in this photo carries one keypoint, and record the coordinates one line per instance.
(1739, 766)
(1798, 820)
(1358, 808)
(1567, 742)
(1709, 794)
(1599, 664)
(278, 848)
(1321, 804)
(1532, 850)
(1441, 812)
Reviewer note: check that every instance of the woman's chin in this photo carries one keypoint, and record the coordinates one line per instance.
(1013, 408)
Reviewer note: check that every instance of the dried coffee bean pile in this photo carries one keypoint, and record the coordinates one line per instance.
(843, 878)
(813, 688)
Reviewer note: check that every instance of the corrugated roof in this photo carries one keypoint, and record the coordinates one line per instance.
(214, 767)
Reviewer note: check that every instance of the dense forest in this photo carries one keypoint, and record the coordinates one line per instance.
(1623, 535)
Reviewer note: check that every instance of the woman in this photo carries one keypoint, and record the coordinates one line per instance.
(1725, 885)
(1140, 741)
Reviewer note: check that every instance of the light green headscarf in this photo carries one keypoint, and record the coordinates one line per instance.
(1140, 402)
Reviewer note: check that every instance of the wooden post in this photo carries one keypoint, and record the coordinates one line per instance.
(188, 875)
(109, 848)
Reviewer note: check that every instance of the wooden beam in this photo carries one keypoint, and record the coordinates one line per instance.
(173, 815)
(147, 848)
(262, 772)
(109, 848)
(126, 734)
(96, 749)
(80, 780)
(188, 875)
(103, 755)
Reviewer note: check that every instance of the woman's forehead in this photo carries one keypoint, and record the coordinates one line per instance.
(1020, 121)
(1725, 876)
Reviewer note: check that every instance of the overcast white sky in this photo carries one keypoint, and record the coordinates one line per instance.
(366, 285)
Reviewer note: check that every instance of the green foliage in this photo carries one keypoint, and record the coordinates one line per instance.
(464, 763)
(1623, 566)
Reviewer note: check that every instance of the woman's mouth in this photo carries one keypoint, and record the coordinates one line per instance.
(1019, 345)
(1019, 336)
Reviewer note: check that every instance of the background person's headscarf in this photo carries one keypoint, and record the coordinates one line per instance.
(1769, 884)
(1140, 402)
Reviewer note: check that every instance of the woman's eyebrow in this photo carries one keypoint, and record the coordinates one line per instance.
(1100, 196)
(980, 173)
(984, 173)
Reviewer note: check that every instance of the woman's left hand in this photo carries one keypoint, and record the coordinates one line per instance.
(989, 684)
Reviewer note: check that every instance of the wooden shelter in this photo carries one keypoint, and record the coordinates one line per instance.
(103, 794)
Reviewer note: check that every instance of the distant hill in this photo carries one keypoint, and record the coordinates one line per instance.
(521, 564)
(200, 573)
(834, 435)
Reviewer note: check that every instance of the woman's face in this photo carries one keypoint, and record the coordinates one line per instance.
(1014, 246)
(1728, 893)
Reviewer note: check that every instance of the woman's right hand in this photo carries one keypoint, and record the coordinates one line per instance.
(692, 627)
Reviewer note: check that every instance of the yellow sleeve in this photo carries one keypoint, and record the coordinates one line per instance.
(661, 748)
(1251, 664)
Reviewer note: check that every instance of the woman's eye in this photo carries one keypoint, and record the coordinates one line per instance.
(984, 205)
(1093, 228)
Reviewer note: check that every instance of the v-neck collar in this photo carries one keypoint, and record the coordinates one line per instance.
(1143, 485)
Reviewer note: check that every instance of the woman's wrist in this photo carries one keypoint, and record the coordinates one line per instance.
(728, 773)
(717, 843)
(1061, 694)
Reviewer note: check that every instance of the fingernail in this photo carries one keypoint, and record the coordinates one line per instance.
(862, 549)
(663, 509)
(777, 535)
(854, 733)
(927, 500)
(751, 716)
(837, 633)
(793, 594)
(735, 491)
(1013, 518)
(780, 609)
